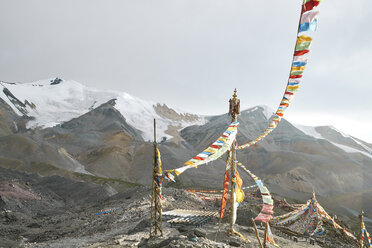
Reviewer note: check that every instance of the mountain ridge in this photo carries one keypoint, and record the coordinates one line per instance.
(108, 139)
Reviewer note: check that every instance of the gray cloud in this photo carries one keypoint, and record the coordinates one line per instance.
(192, 53)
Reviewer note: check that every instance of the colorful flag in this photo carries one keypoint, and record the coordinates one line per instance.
(309, 17)
(299, 59)
(263, 217)
(270, 236)
(224, 194)
(308, 26)
(299, 53)
(303, 45)
(238, 191)
(267, 209)
(309, 5)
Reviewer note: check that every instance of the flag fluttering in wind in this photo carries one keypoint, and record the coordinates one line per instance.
(224, 194)
(158, 175)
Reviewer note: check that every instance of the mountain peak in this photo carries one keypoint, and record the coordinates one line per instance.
(55, 101)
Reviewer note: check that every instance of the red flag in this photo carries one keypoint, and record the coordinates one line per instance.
(295, 76)
(198, 158)
(263, 217)
(224, 194)
(299, 53)
(310, 5)
(267, 209)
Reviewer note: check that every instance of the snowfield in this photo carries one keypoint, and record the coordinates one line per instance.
(58, 103)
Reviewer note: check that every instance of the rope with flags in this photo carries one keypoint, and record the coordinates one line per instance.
(214, 151)
(268, 204)
(308, 23)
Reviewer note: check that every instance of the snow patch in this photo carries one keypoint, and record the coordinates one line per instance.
(308, 130)
(362, 145)
(267, 111)
(351, 150)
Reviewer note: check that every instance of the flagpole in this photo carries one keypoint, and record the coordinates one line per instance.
(156, 208)
(234, 111)
(361, 243)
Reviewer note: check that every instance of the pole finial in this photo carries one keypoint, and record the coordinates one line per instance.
(235, 95)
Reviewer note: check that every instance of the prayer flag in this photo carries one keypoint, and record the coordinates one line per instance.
(224, 194)
(309, 17)
(267, 209)
(299, 53)
(309, 5)
(303, 45)
(263, 217)
(308, 26)
(298, 64)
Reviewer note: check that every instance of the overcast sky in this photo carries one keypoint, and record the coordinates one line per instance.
(191, 54)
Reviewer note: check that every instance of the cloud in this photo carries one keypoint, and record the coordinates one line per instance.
(193, 53)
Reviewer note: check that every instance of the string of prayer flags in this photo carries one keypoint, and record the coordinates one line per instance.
(308, 22)
(267, 209)
(308, 219)
(214, 151)
(268, 203)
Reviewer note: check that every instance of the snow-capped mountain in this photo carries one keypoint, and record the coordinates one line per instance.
(54, 101)
(105, 137)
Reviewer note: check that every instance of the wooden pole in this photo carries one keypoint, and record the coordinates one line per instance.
(361, 243)
(234, 111)
(265, 235)
(156, 208)
(255, 229)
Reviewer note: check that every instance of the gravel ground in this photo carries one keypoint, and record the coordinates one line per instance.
(128, 225)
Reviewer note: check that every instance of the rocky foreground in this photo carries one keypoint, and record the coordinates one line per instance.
(127, 225)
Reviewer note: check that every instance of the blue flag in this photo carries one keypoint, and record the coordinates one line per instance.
(308, 26)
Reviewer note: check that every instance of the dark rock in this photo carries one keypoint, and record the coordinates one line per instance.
(156, 242)
(2, 203)
(183, 229)
(234, 242)
(34, 225)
